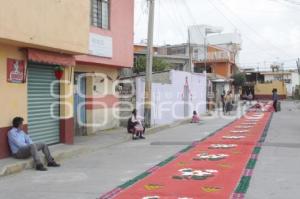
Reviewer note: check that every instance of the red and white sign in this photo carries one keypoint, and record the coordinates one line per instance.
(15, 71)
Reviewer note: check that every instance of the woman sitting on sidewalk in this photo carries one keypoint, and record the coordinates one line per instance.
(135, 127)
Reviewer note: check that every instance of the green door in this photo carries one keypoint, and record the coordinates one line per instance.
(43, 104)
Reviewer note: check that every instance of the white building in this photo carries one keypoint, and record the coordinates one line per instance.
(204, 35)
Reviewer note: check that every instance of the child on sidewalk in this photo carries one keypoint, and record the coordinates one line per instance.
(195, 118)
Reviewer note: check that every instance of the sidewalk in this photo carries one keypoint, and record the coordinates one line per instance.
(82, 145)
(87, 144)
(95, 173)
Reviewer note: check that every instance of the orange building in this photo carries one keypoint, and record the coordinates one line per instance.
(218, 61)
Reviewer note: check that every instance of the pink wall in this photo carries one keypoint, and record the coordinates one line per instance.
(121, 31)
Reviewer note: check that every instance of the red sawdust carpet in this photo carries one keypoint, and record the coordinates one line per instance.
(215, 168)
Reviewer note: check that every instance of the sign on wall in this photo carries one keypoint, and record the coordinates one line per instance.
(100, 45)
(15, 71)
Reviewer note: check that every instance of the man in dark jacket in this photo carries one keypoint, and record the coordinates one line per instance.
(275, 99)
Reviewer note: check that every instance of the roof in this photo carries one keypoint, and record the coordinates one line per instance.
(144, 45)
(183, 57)
(218, 78)
(218, 47)
(276, 73)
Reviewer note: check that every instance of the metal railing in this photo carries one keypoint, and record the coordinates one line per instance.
(215, 56)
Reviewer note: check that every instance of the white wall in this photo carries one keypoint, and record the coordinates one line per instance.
(168, 103)
(295, 81)
(225, 38)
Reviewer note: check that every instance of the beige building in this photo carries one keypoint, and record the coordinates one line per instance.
(85, 41)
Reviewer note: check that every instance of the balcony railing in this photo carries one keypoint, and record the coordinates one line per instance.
(215, 56)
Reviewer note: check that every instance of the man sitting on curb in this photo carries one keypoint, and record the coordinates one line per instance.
(22, 146)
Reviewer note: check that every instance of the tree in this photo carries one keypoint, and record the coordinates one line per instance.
(158, 64)
(239, 80)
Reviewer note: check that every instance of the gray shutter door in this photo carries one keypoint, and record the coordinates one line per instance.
(43, 104)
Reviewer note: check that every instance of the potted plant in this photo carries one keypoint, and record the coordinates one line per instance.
(58, 72)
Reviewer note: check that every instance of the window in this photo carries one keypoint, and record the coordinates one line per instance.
(176, 51)
(100, 12)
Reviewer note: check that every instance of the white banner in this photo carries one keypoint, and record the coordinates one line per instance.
(100, 45)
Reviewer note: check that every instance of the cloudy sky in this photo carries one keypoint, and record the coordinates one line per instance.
(270, 28)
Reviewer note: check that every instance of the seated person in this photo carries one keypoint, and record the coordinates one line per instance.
(135, 127)
(195, 118)
(22, 146)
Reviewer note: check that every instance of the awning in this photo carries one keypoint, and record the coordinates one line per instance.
(46, 57)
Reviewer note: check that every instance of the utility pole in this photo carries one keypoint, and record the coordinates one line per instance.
(205, 52)
(298, 65)
(190, 67)
(148, 81)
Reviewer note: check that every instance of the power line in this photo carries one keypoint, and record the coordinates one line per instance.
(143, 8)
(270, 61)
(249, 38)
(189, 11)
(252, 29)
(172, 18)
(286, 4)
(158, 23)
(297, 3)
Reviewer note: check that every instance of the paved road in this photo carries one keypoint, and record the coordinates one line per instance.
(277, 172)
(94, 174)
(276, 176)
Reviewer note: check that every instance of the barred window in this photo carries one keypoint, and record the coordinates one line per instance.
(100, 12)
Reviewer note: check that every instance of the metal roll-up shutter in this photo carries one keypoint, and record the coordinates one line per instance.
(43, 104)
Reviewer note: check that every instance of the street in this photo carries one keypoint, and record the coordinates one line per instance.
(94, 174)
(277, 171)
(149, 99)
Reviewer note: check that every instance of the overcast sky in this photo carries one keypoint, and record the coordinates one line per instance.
(270, 29)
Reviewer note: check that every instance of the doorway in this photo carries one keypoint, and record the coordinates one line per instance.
(80, 104)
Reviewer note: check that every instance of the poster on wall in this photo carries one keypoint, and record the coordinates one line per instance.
(15, 71)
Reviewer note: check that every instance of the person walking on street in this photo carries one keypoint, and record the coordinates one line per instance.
(250, 98)
(22, 146)
(223, 100)
(228, 102)
(275, 99)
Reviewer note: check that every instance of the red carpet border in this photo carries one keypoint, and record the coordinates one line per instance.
(217, 167)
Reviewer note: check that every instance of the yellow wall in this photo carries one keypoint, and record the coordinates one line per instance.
(110, 71)
(266, 88)
(57, 24)
(97, 116)
(105, 117)
(13, 97)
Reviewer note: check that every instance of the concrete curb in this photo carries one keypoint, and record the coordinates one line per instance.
(156, 129)
(17, 166)
(20, 165)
